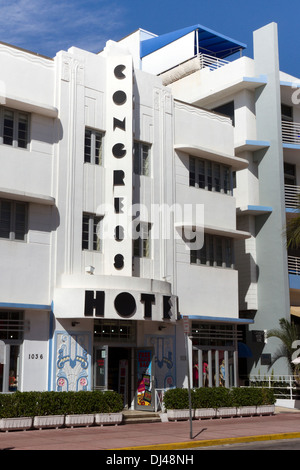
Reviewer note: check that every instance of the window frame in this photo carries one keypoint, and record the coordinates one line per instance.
(141, 154)
(93, 222)
(15, 137)
(289, 170)
(287, 113)
(217, 252)
(142, 245)
(13, 221)
(210, 176)
(92, 156)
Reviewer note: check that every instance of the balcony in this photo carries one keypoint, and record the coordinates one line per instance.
(294, 265)
(292, 195)
(291, 133)
(294, 271)
(190, 66)
(211, 62)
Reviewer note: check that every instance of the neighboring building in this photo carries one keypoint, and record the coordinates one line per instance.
(141, 185)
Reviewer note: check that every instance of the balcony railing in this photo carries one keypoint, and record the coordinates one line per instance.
(211, 62)
(290, 132)
(294, 265)
(292, 195)
(190, 66)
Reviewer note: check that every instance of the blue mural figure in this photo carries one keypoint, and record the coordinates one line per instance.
(164, 347)
(72, 362)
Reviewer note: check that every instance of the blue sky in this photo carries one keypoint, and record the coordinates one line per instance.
(46, 26)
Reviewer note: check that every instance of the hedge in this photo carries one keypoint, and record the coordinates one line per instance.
(18, 404)
(217, 397)
(252, 396)
(176, 399)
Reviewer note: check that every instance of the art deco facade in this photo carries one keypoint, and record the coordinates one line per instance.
(139, 186)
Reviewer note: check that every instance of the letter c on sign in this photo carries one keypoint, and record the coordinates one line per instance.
(119, 72)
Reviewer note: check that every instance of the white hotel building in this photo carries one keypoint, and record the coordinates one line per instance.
(96, 149)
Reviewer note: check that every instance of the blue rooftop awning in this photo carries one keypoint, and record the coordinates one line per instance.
(206, 41)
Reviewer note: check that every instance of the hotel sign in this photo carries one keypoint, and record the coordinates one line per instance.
(126, 305)
(118, 141)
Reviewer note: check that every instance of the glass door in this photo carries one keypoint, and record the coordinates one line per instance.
(145, 392)
(9, 367)
(100, 368)
(2, 361)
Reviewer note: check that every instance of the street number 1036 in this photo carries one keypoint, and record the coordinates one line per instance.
(35, 356)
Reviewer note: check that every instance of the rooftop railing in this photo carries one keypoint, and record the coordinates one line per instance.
(211, 62)
(190, 66)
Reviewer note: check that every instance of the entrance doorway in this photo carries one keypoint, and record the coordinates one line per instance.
(128, 371)
(113, 371)
(119, 372)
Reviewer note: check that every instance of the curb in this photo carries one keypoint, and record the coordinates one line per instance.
(213, 442)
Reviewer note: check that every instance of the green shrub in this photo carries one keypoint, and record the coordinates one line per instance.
(207, 398)
(176, 399)
(221, 397)
(7, 407)
(26, 403)
(253, 396)
(53, 403)
(112, 402)
(268, 396)
(20, 404)
(217, 397)
(247, 396)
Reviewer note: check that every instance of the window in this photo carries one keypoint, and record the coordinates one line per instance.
(14, 128)
(289, 173)
(141, 245)
(91, 228)
(141, 159)
(286, 113)
(216, 252)
(211, 176)
(214, 354)
(12, 325)
(93, 147)
(115, 330)
(13, 217)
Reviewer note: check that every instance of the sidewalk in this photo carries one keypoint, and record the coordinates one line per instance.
(283, 424)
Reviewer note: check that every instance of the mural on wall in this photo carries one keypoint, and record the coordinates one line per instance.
(164, 349)
(72, 364)
(144, 372)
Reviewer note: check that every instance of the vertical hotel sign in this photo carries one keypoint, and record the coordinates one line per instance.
(118, 164)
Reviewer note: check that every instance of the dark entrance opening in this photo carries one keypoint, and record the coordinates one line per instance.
(119, 372)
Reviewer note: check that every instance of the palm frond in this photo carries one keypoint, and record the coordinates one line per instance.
(288, 333)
